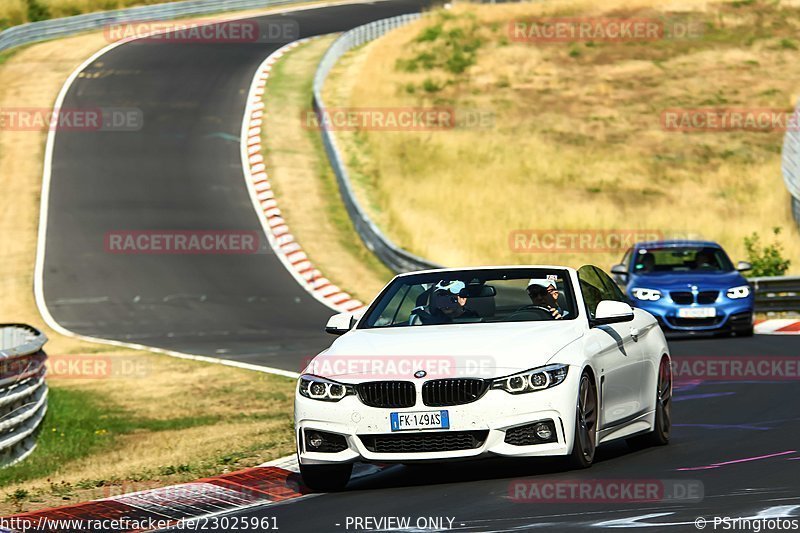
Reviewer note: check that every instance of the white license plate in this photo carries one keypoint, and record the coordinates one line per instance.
(420, 420)
(697, 312)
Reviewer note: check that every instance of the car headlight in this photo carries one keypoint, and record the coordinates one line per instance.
(647, 295)
(737, 293)
(322, 389)
(532, 380)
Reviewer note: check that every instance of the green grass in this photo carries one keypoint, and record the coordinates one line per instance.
(79, 424)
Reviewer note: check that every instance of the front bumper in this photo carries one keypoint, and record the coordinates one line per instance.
(731, 316)
(492, 415)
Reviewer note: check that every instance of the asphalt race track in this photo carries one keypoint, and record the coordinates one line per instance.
(713, 422)
(738, 440)
(182, 171)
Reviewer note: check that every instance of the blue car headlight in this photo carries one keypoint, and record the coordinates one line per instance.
(737, 293)
(646, 295)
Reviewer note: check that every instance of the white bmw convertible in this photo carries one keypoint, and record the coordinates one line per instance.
(498, 361)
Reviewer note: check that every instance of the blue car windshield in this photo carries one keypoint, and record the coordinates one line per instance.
(681, 259)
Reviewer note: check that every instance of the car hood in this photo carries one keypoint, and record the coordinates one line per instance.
(454, 350)
(685, 280)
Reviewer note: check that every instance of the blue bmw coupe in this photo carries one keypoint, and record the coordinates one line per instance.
(691, 287)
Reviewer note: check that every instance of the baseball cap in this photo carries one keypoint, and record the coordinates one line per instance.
(454, 287)
(543, 283)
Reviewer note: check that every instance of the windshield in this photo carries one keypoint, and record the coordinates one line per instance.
(474, 296)
(681, 259)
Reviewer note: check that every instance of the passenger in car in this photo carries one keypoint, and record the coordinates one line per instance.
(446, 305)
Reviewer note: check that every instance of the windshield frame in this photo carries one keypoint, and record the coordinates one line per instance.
(489, 274)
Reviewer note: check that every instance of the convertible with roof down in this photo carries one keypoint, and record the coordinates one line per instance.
(457, 364)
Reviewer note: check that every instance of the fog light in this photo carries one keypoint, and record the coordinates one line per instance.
(543, 431)
(314, 440)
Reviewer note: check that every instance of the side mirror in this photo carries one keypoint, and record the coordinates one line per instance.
(612, 312)
(340, 324)
(743, 266)
(620, 270)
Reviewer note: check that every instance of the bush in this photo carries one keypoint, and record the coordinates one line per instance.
(37, 11)
(767, 260)
(450, 45)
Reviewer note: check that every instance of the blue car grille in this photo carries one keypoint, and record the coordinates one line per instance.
(687, 298)
(707, 297)
(682, 297)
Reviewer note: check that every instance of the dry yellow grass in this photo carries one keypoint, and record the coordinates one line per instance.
(13, 12)
(304, 184)
(577, 142)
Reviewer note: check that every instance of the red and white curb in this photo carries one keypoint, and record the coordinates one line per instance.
(778, 326)
(176, 506)
(169, 506)
(280, 238)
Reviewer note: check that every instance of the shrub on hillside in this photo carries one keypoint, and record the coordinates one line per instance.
(767, 260)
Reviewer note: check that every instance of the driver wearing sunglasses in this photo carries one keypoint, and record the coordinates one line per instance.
(446, 304)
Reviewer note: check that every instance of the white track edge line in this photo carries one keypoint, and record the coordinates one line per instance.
(38, 277)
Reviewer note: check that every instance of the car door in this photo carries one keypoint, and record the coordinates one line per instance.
(617, 356)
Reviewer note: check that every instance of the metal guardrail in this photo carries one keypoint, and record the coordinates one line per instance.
(23, 391)
(776, 293)
(393, 256)
(61, 27)
(791, 166)
(796, 209)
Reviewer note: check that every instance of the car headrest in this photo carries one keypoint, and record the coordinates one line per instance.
(484, 306)
(423, 298)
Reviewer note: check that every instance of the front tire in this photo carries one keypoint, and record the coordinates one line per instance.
(585, 441)
(326, 478)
